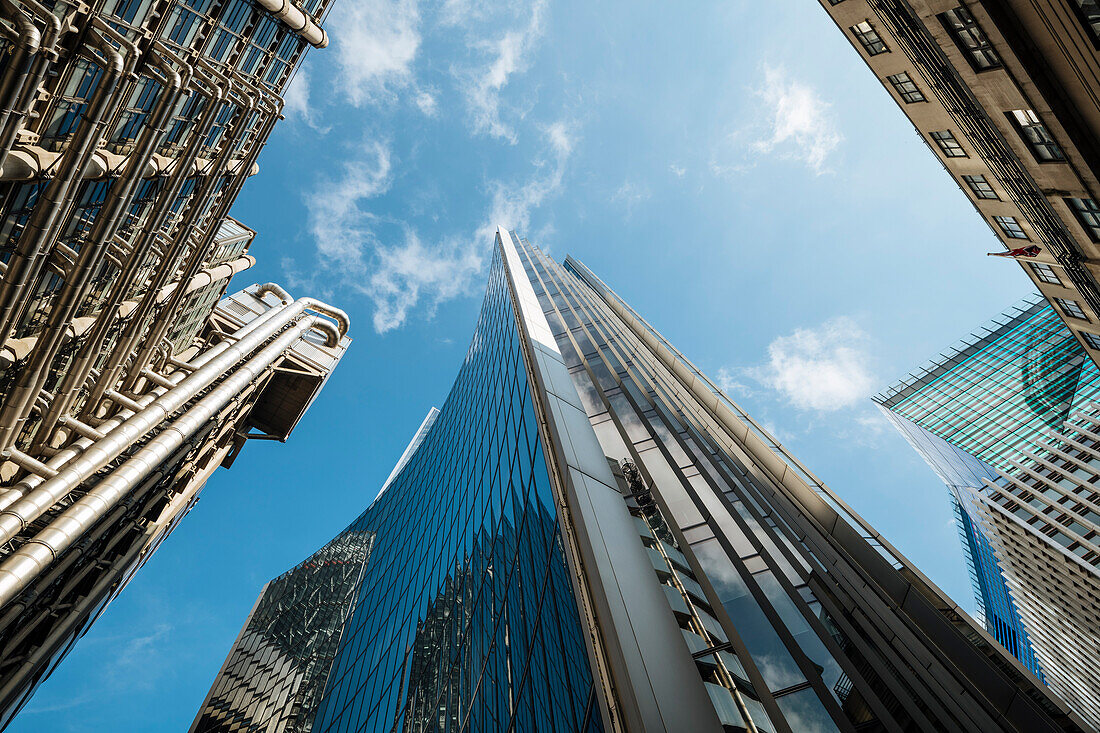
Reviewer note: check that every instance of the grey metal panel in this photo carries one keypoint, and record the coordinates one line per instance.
(651, 662)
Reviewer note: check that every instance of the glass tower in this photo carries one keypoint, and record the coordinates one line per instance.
(982, 407)
(591, 536)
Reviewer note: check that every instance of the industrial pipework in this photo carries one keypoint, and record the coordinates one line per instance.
(177, 409)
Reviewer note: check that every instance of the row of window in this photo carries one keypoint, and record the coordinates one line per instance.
(1046, 274)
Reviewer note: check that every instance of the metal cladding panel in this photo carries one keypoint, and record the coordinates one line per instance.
(651, 667)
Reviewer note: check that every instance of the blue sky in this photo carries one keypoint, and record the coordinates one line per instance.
(731, 168)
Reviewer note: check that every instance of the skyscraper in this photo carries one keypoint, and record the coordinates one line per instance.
(590, 536)
(126, 132)
(994, 417)
(1004, 93)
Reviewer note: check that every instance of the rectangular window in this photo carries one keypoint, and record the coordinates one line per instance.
(906, 88)
(948, 144)
(835, 2)
(1010, 227)
(1088, 12)
(970, 39)
(1088, 214)
(1092, 340)
(1036, 135)
(1071, 308)
(869, 38)
(980, 187)
(1045, 273)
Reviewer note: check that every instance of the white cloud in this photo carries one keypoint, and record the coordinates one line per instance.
(630, 194)
(427, 103)
(298, 104)
(376, 43)
(677, 170)
(822, 369)
(397, 277)
(512, 205)
(727, 380)
(801, 127)
(482, 87)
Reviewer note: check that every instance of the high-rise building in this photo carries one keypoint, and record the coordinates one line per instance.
(126, 132)
(589, 535)
(984, 416)
(1004, 94)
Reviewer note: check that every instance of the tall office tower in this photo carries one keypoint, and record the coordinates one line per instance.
(1004, 93)
(983, 416)
(982, 406)
(590, 536)
(126, 132)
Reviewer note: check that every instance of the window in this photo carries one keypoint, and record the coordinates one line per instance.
(1010, 227)
(1045, 273)
(970, 39)
(1036, 135)
(1088, 12)
(980, 187)
(869, 37)
(1071, 308)
(1091, 340)
(905, 88)
(1088, 214)
(948, 144)
(835, 2)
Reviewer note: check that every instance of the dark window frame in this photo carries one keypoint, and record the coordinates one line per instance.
(944, 143)
(1093, 32)
(1081, 214)
(1044, 272)
(1071, 308)
(970, 29)
(906, 95)
(1050, 145)
(979, 193)
(1009, 224)
(864, 38)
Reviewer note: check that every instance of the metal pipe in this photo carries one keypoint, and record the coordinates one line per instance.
(78, 281)
(25, 48)
(142, 250)
(295, 19)
(23, 97)
(65, 455)
(28, 463)
(188, 226)
(46, 212)
(22, 566)
(168, 312)
(33, 505)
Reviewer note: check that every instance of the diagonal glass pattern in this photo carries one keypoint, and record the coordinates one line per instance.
(466, 617)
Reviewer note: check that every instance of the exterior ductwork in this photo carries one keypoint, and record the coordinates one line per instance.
(23, 565)
(286, 12)
(28, 508)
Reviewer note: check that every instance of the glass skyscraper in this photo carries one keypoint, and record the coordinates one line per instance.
(590, 536)
(982, 407)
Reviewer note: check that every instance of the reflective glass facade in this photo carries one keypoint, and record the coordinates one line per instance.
(591, 536)
(466, 616)
(980, 409)
(276, 671)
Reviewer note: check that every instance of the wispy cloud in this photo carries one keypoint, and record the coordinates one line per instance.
(398, 276)
(801, 127)
(728, 380)
(426, 102)
(677, 170)
(630, 195)
(376, 44)
(507, 55)
(824, 369)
